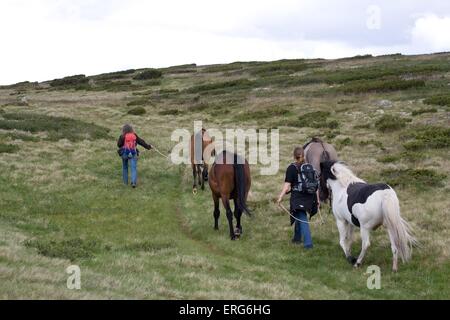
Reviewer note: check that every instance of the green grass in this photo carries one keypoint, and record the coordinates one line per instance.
(63, 201)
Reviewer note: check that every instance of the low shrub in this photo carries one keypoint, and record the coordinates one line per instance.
(170, 112)
(147, 246)
(138, 111)
(221, 87)
(56, 127)
(390, 158)
(420, 179)
(24, 85)
(371, 142)
(14, 135)
(363, 126)
(380, 85)
(184, 68)
(148, 74)
(72, 81)
(138, 102)
(344, 142)
(316, 119)
(432, 137)
(423, 110)
(440, 100)
(223, 68)
(273, 112)
(8, 148)
(115, 75)
(282, 67)
(388, 123)
(168, 91)
(73, 249)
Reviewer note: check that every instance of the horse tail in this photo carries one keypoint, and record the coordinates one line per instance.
(397, 226)
(239, 183)
(325, 156)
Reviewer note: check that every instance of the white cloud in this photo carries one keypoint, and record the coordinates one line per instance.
(46, 39)
(433, 32)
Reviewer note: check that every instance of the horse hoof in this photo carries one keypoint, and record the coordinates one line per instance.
(233, 238)
(357, 265)
(351, 260)
(194, 191)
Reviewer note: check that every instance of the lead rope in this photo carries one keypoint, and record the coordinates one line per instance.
(165, 156)
(308, 222)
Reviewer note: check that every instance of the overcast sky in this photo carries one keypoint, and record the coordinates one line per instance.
(46, 39)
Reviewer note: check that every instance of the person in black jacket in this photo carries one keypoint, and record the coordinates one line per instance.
(129, 153)
(301, 202)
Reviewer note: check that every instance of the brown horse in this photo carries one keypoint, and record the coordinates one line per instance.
(198, 162)
(229, 178)
(316, 152)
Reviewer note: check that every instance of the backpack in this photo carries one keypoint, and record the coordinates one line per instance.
(130, 141)
(129, 144)
(308, 180)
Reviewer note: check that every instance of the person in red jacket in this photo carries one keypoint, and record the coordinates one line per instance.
(129, 152)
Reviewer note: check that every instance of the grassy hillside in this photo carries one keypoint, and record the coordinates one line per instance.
(63, 203)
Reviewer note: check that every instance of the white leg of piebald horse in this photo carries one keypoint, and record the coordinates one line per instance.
(343, 232)
(394, 252)
(349, 237)
(365, 233)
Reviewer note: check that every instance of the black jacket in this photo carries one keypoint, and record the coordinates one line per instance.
(139, 141)
(299, 200)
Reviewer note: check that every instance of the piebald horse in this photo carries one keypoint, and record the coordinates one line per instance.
(229, 178)
(199, 161)
(368, 206)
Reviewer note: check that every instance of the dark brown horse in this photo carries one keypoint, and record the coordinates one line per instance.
(229, 178)
(199, 162)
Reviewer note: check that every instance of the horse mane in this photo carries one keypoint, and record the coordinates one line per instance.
(344, 175)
